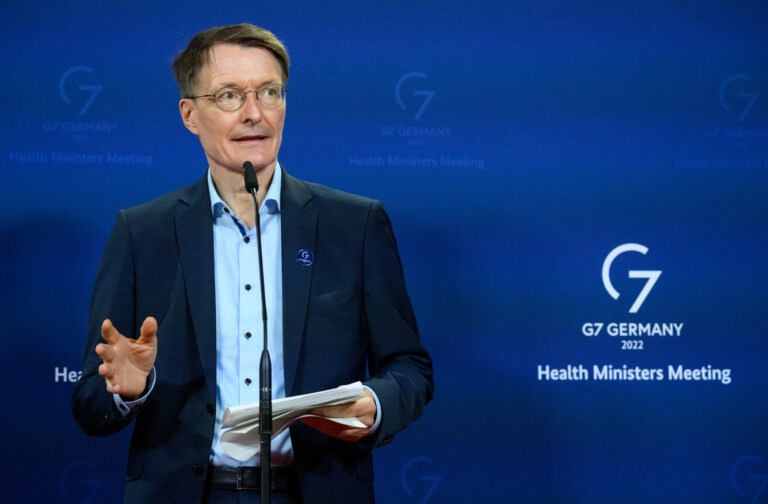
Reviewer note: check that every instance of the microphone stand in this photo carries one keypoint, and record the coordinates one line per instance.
(265, 366)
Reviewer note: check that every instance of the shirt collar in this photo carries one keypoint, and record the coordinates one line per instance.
(271, 204)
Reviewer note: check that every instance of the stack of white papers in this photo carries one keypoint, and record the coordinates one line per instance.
(242, 439)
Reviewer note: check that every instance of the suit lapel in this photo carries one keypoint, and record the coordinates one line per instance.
(298, 230)
(194, 232)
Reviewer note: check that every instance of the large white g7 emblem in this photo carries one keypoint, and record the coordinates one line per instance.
(651, 275)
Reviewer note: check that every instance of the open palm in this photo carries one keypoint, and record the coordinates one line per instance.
(127, 361)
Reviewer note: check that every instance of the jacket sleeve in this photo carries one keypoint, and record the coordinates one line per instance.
(399, 366)
(113, 297)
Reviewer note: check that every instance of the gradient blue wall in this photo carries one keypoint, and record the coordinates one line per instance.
(514, 144)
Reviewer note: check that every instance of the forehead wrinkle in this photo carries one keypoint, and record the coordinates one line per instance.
(226, 80)
(231, 84)
(229, 75)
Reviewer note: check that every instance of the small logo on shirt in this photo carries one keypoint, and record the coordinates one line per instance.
(305, 257)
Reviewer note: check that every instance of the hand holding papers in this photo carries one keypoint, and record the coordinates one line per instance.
(241, 440)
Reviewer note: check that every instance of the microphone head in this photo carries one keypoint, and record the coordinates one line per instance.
(249, 174)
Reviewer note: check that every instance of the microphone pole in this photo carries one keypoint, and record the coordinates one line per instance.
(265, 366)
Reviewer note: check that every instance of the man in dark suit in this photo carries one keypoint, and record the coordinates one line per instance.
(174, 305)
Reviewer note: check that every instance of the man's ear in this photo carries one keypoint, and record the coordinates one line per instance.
(188, 112)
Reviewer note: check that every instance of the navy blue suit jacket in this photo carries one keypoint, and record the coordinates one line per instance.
(346, 317)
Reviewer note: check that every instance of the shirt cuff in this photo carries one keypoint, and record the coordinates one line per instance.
(126, 407)
(377, 420)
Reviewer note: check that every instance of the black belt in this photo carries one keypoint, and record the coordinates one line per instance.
(249, 478)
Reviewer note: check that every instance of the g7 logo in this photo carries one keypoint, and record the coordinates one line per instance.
(435, 479)
(751, 97)
(93, 88)
(751, 476)
(651, 275)
(427, 94)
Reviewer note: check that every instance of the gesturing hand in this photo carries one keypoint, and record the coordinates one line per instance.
(364, 409)
(127, 361)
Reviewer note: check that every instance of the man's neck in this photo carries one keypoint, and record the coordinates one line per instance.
(231, 188)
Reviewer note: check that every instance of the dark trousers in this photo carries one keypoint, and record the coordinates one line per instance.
(232, 496)
(220, 496)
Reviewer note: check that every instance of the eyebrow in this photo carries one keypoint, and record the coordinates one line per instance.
(233, 85)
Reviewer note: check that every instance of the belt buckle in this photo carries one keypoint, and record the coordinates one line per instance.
(241, 476)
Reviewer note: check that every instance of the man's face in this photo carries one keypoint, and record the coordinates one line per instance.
(250, 133)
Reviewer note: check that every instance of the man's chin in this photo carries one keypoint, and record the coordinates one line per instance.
(235, 165)
(259, 163)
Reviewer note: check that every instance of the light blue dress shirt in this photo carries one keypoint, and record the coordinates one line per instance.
(239, 328)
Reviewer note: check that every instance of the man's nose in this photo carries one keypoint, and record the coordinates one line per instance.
(251, 109)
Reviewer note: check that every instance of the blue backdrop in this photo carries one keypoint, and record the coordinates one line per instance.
(515, 145)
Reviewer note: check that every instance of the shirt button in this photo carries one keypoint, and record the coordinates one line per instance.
(247, 286)
(226, 209)
(247, 381)
(247, 239)
(247, 335)
(210, 408)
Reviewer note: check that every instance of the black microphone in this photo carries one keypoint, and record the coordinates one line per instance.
(265, 366)
(251, 181)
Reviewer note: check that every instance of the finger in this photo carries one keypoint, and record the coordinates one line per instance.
(148, 330)
(337, 411)
(336, 430)
(109, 385)
(105, 370)
(106, 352)
(353, 434)
(109, 332)
(364, 409)
(325, 426)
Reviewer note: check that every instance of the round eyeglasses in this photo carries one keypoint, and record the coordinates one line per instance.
(232, 98)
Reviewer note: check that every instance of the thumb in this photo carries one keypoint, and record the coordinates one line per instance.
(148, 330)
